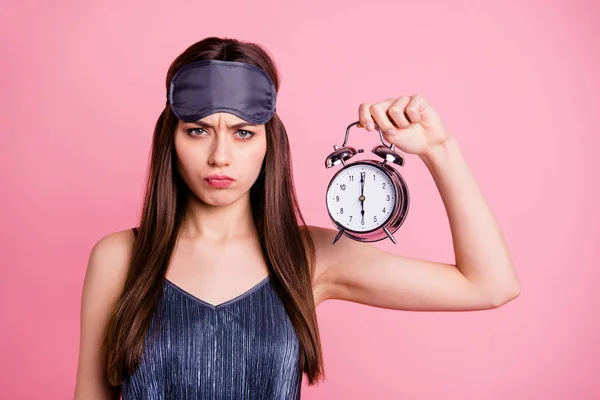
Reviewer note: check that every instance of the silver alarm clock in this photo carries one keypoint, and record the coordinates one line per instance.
(367, 200)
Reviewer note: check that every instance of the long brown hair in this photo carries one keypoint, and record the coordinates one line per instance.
(289, 255)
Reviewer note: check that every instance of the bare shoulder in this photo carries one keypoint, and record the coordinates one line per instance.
(322, 239)
(104, 279)
(334, 259)
(109, 259)
(324, 257)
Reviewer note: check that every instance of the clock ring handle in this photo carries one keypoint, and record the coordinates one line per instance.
(378, 129)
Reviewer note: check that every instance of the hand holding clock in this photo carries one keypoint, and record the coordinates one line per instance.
(409, 122)
(414, 128)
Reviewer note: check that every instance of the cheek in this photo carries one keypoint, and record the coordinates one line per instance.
(187, 161)
(255, 158)
(249, 165)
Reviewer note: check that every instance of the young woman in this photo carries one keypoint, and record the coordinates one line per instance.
(214, 294)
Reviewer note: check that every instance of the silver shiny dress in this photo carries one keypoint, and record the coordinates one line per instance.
(245, 348)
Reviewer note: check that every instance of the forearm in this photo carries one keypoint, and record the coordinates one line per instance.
(480, 249)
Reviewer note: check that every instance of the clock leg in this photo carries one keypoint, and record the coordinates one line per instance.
(339, 235)
(389, 234)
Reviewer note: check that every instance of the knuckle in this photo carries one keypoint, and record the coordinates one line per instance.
(394, 110)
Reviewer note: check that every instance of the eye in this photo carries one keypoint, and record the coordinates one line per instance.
(245, 134)
(192, 130)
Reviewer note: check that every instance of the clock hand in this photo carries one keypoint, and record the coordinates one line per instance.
(362, 184)
(362, 197)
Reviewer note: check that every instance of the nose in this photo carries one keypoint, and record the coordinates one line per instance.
(220, 154)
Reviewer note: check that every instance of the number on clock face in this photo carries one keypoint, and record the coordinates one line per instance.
(344, 197)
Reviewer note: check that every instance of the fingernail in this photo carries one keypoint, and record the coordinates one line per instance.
(370, 126)
(391, 132)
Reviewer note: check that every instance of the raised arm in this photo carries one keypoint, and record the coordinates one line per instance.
(484, 275)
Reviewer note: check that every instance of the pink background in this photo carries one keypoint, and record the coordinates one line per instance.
(514, 81)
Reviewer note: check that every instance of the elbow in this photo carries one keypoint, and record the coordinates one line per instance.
(506, 296)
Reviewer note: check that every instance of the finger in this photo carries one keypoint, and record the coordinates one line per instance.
(414, 107)
(379, 113)
(365, 117)
(396, 112)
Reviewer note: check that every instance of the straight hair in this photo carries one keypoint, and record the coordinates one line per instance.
(289, 253)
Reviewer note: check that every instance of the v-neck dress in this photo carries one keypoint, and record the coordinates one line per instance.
(244, 348)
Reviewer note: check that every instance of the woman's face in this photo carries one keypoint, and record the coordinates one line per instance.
(221, 144)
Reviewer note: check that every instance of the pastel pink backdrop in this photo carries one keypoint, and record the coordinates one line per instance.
(514, 81)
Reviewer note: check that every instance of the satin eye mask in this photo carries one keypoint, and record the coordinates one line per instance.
(205, 87)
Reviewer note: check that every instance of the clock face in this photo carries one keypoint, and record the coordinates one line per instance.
(356, 211)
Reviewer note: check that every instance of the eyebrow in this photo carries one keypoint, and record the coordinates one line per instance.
(236, 126)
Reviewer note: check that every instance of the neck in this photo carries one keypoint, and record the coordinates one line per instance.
(218, 223)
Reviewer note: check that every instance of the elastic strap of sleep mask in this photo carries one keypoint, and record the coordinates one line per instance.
(205, 87)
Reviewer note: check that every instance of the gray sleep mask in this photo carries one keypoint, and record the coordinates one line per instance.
(209, 86)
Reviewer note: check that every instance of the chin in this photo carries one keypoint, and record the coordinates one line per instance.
(219, 202)
(218, 198)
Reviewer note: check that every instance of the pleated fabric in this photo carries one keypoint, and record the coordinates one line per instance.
(245, 348)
